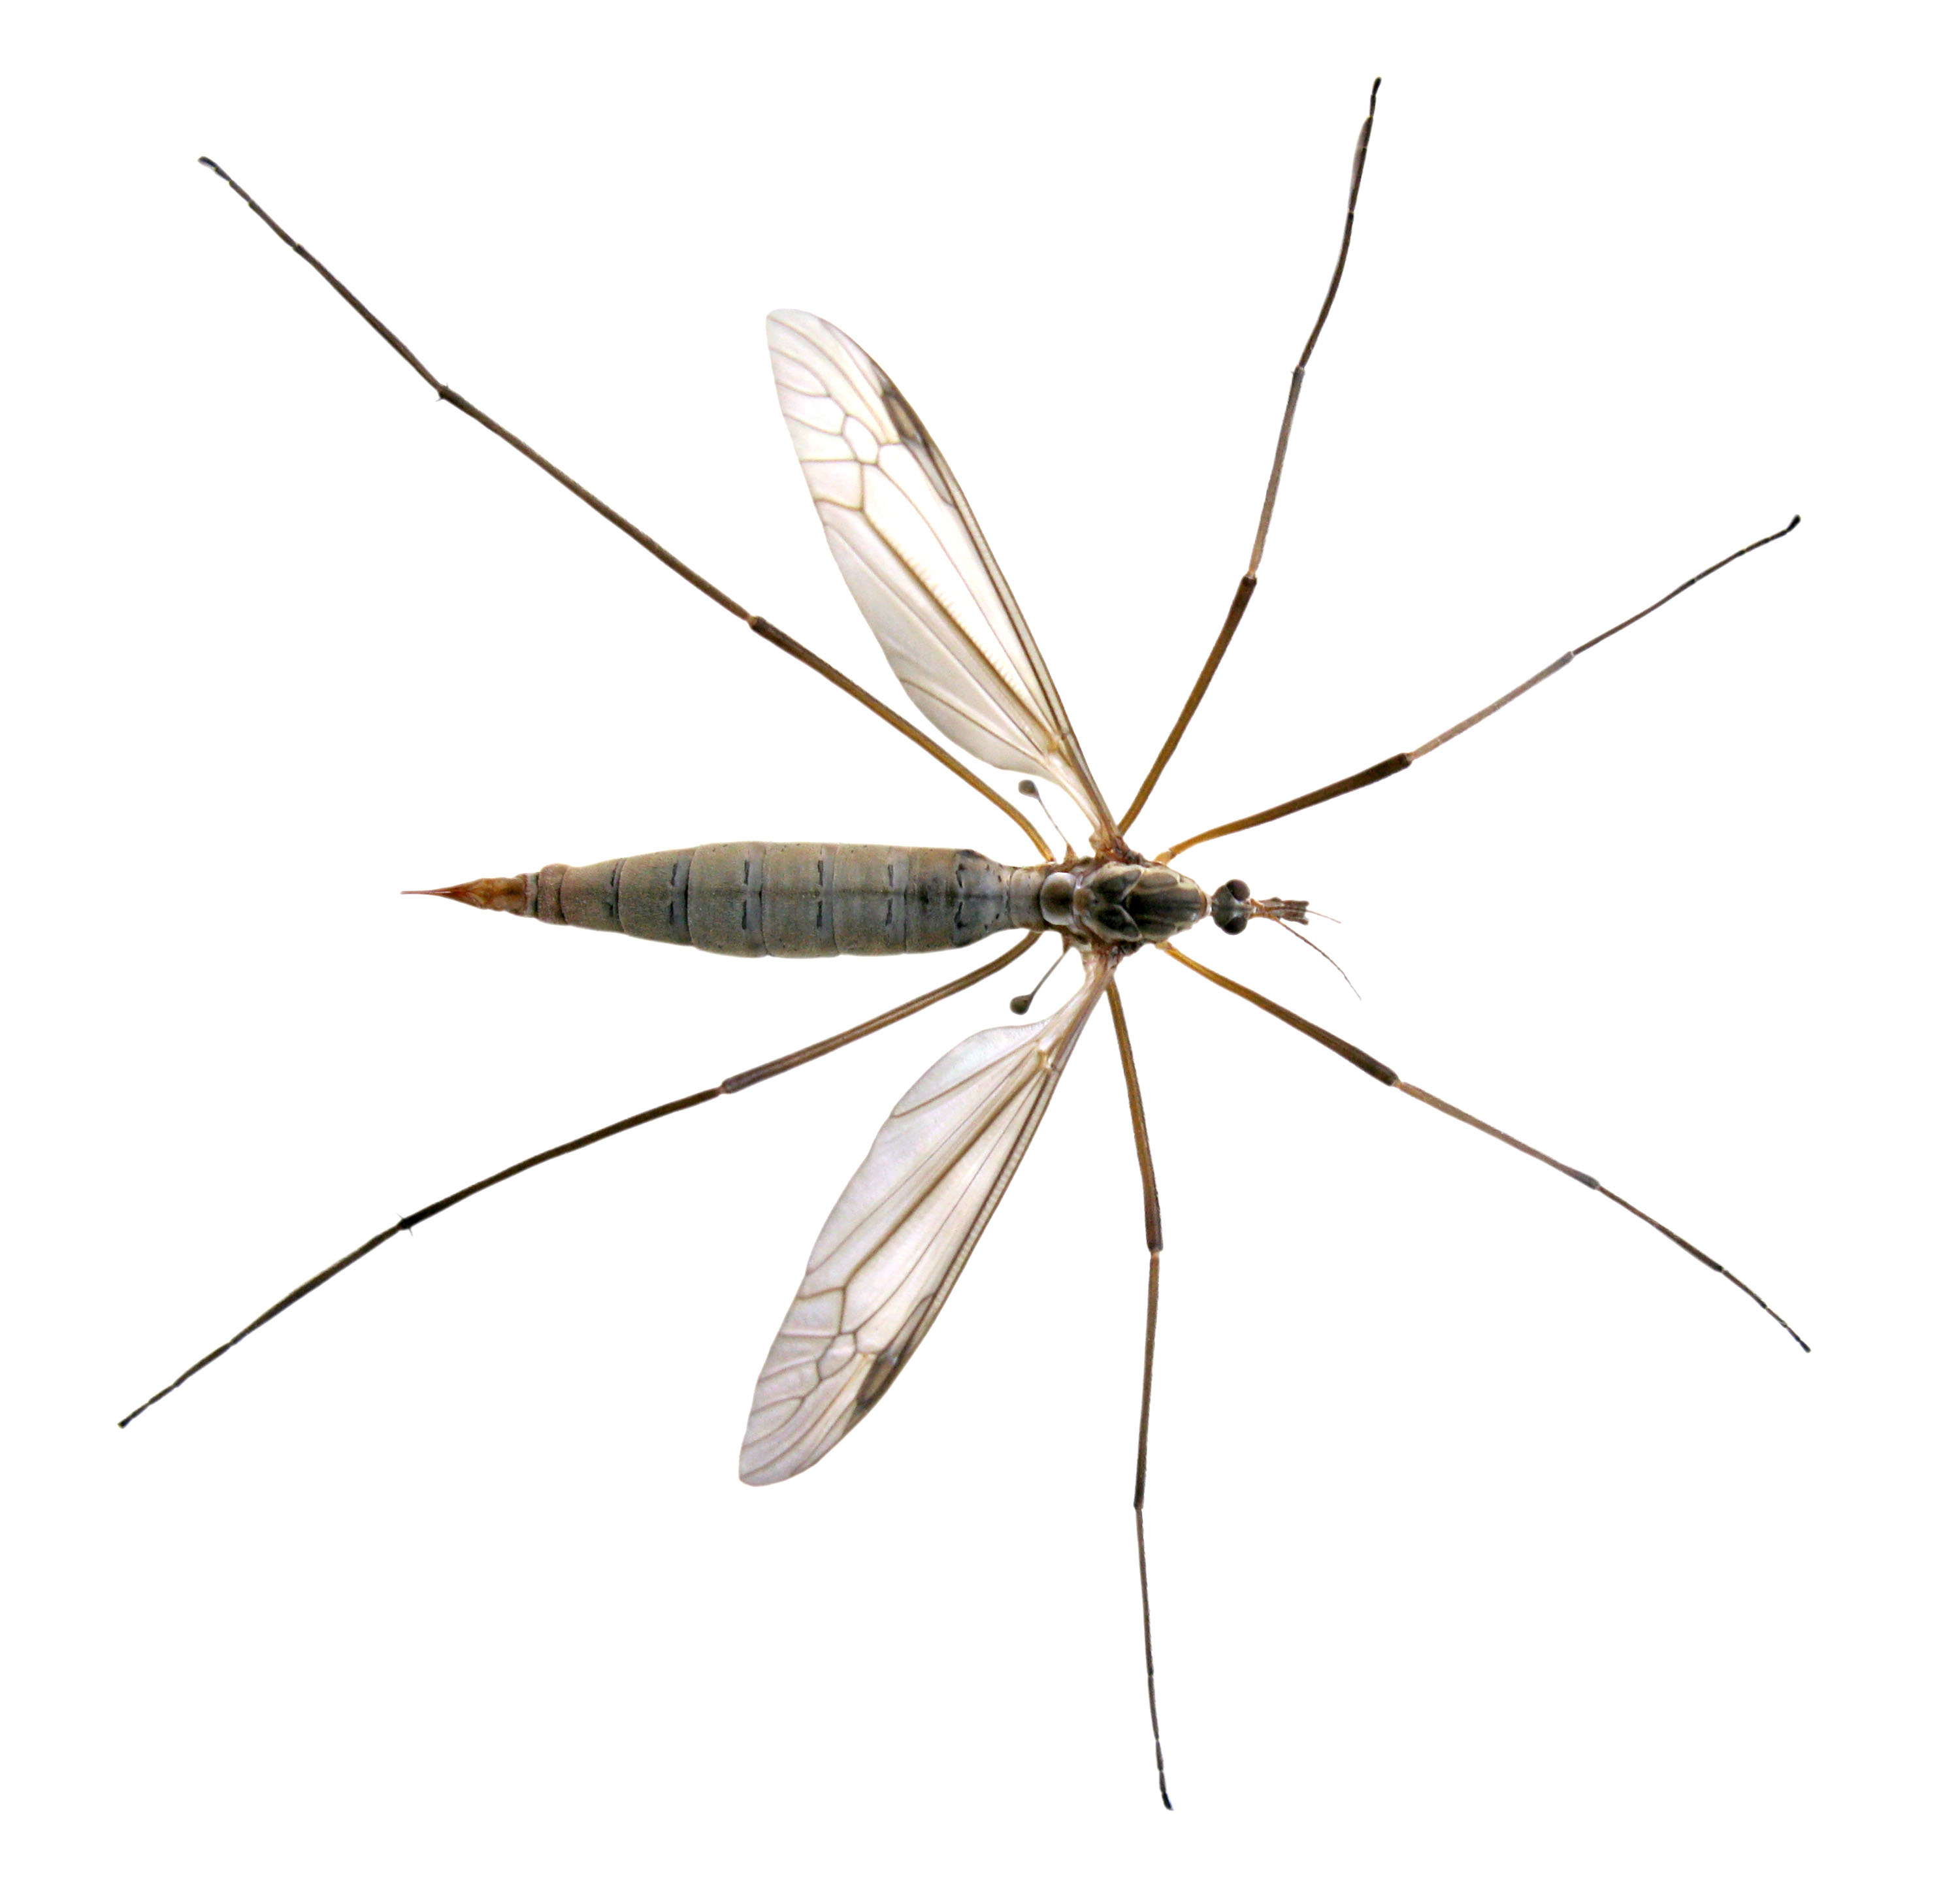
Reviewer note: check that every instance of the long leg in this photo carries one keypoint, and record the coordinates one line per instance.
(1243, 596)
(1395, 765)
(742, 1080)
(1153, 1240)
(1381, 1073)
(761, 626)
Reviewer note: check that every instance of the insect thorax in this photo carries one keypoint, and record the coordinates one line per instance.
(1121, 902)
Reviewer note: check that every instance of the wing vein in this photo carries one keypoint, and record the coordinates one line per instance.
(893, 1247)
(912, 553)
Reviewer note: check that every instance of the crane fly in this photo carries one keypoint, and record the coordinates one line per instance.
(913, 555)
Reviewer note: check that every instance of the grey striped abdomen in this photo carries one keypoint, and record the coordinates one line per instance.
(792, 899)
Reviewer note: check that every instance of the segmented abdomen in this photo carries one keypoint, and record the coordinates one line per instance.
(791, 899)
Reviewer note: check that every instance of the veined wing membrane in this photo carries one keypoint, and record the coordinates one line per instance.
(894, 1245)
(913, 554)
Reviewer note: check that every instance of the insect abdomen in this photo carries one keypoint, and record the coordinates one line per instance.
(787, 899)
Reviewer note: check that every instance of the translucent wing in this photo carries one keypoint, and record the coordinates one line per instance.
(912, 553)
(900, 1233)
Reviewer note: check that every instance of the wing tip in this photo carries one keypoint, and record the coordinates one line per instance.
(761, 1465)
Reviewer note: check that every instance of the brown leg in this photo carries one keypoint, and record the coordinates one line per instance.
(1243, 596)
(1395, 765)
(742, 1080)
(1381, 1073)
(1153, 1240)
(762, 627)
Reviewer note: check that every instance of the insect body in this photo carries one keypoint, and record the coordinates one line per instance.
(911, 550)
(804, 900)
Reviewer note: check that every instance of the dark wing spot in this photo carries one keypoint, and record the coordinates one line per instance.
(878, 1380)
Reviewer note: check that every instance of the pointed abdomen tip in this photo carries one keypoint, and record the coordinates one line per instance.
(507, 894)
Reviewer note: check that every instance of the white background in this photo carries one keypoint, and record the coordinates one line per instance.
(1492, 1539)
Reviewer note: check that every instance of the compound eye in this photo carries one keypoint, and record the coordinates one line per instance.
(1238, 890)
(1236, 924)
